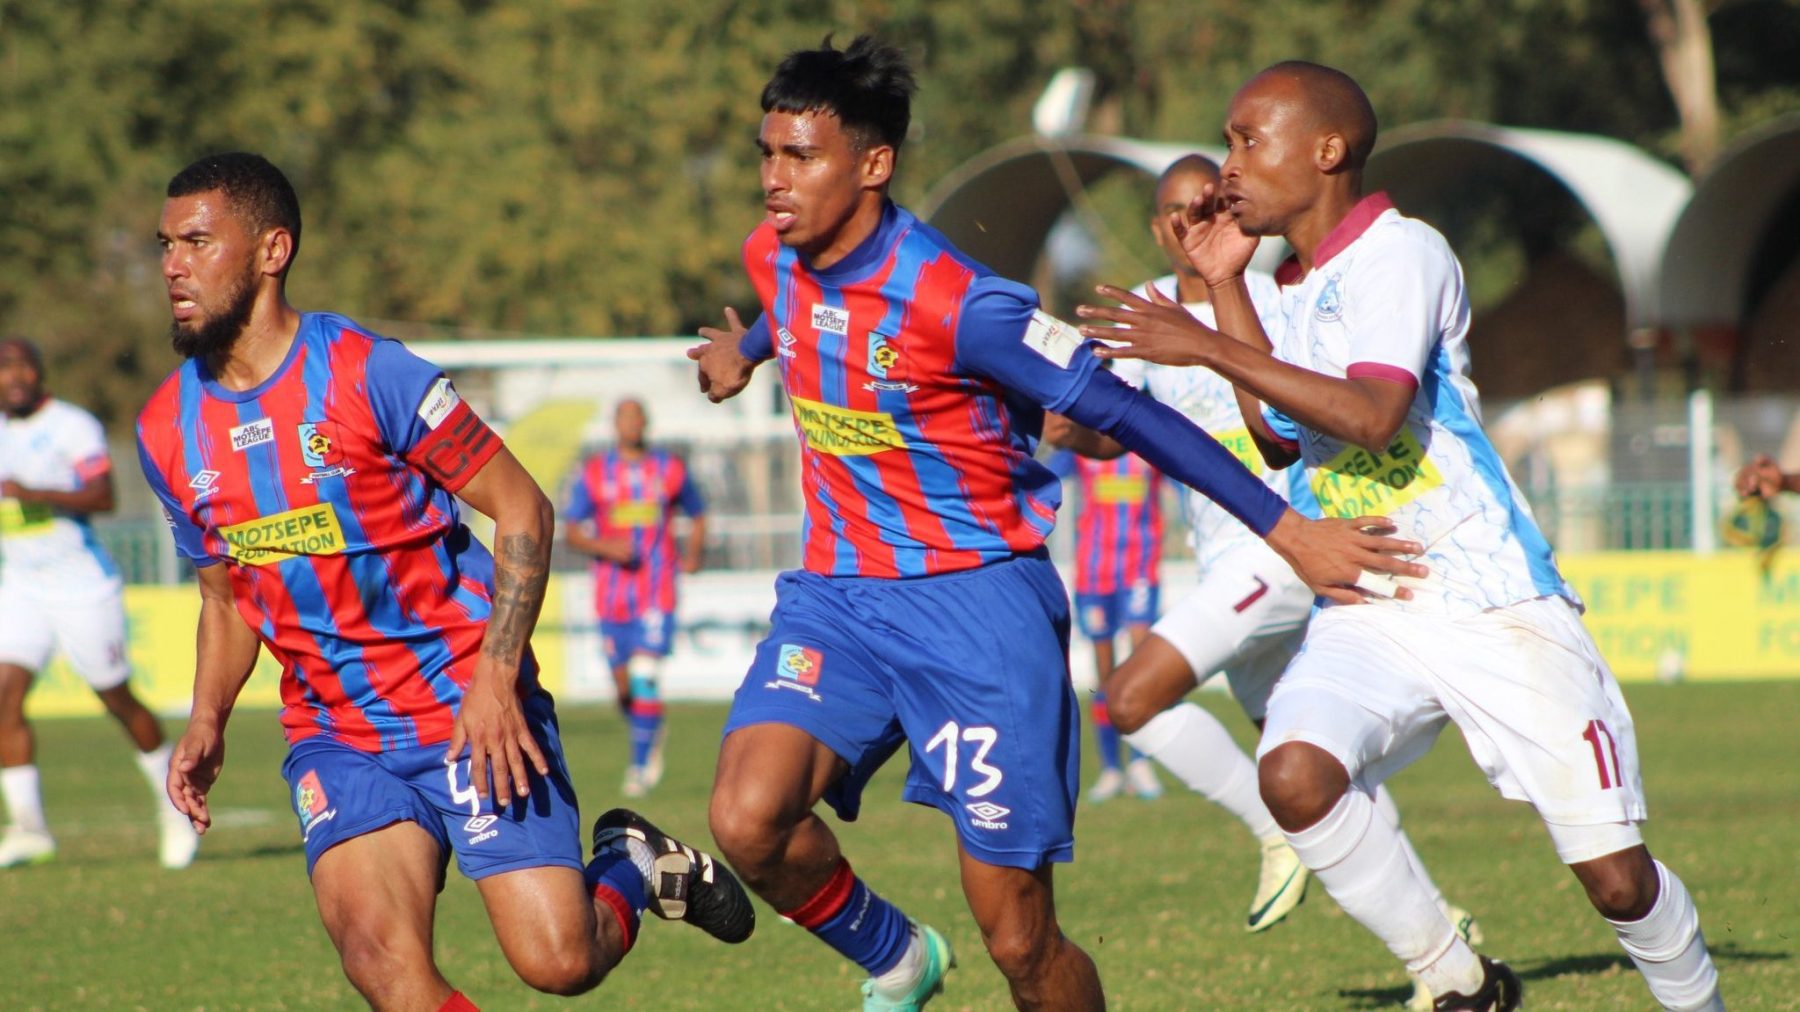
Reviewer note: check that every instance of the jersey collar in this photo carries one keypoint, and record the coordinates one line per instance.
(1340, 237)
(868, 254)
(224, 393)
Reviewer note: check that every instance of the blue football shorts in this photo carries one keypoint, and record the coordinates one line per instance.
(340, 793)
(969, 669)
(651, 633)
(1101, 616)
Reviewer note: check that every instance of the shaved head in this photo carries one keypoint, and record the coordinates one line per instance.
(1334, 103)
(1184, 181)
(1188, 165)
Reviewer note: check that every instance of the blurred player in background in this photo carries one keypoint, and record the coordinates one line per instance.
(60, 592)
(1247, 616)
(621, 511)
(311, 471)
(1118, 570)
(927, 611)
(1367, 383)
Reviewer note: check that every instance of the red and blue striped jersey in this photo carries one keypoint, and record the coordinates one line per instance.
(327, 491)
(918, 380)
(635, 497)
(1119, 529)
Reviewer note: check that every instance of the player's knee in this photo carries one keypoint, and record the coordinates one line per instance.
(565, 970)
(1300, 783)
(1129, 704)
(379, 965)
(751, 826)
(1020, 952)
(1622, 886)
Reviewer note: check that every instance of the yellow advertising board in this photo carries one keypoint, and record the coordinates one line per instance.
(1704, 617)
(1712, 617)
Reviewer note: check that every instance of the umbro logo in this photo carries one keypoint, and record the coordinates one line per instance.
(987, 815)
(204, 483)
(478, 828)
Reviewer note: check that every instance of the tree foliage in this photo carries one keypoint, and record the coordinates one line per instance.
(572, 167)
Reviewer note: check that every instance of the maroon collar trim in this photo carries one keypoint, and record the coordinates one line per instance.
(1340, 237)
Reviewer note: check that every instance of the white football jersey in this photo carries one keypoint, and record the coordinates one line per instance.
(53, 552)
(1385, 298)
(1208, 400)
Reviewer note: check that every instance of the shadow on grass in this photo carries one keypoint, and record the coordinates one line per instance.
(1544, 969)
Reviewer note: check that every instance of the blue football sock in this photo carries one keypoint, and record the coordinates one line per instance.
(848, 916)
(619, 883)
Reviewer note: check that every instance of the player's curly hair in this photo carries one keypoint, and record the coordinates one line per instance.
(867, 86)
(259, 194)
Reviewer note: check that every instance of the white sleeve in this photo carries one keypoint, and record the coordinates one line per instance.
(1393, 308)
(83, 442)
(1265, 295)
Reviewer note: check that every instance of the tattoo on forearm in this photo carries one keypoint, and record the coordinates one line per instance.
(521, 572)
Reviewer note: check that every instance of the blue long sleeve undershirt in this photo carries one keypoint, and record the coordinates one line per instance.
(1176, 447)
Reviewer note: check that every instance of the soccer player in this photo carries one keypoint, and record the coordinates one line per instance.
(60, 591)
(621, 511)
(1246, 617)
(1367, 383)
(311, 470)
(926, 612)
(1118, 569)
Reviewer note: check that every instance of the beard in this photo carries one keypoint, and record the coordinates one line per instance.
(214, 335)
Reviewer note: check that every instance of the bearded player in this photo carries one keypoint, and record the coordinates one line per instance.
(312, 473)
(927, 612)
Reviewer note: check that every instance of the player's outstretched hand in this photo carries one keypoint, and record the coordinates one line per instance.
(1155, 329)
(1346, 561)
(492, 724)
(193, 768)
(1209, 234)
(1760, 477)
(724, 371)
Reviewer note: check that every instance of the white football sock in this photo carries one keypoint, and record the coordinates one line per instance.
(1357, 856)
(899, 980)
(23, 803)
(155, 764)
(1193, 745)
(1384, 805)
(1669, 950)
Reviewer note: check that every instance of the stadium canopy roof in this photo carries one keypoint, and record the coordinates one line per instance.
(1000, 205)
(1632, 197)
(1734, 218)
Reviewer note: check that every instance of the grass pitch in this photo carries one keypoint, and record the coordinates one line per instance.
(1157, 894)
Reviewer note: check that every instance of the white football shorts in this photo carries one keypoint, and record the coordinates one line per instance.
(1541, 712)
(90, 634)
(1246, 617)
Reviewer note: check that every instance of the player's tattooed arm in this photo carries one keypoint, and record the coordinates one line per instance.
(491, 724)
(521, 574)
